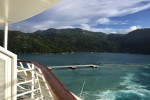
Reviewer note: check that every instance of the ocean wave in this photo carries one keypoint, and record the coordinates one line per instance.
(131, 91)
(146, 67)
(145, 74)
(124, 95)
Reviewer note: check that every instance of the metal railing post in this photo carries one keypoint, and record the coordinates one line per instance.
(33, 77)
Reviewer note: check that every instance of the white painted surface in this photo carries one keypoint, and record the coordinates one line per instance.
(6, 76)
(8, 62)
(2, 62)
(6, 35)
(18, 10)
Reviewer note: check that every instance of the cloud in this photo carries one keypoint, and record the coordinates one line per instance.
(103, 21)
(85, 26)
(108, 30)
(65, 27)
(132, 28)
(107, 21)
(81, 13)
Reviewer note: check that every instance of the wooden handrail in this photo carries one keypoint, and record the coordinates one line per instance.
(59, 90)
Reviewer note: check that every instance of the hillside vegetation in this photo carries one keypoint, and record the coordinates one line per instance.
(77, 40)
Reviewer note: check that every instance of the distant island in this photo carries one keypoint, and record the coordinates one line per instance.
(78, 40)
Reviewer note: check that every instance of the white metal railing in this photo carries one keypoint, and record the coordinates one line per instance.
(31, 84)
(28, 80)
(37, 82)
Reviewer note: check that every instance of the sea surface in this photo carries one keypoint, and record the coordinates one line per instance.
(119, 76)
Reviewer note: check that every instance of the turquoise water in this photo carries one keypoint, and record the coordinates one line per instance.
(119, 76)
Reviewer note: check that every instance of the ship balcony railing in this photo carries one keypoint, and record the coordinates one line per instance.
(37, 82)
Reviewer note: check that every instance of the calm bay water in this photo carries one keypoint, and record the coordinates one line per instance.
(119, 76)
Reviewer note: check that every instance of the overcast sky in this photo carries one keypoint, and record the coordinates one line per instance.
(109, 16)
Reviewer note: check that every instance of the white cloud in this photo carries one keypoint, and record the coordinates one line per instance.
(111, 30)
(114, 32)
(132, 28)
(85, 26)
(107, 21)
(81, 12)
(64, 27)
(105, 30)
(103, 21)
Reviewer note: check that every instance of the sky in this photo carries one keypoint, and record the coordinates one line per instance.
(108, 16)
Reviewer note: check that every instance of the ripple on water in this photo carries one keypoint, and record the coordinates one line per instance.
(132, 91)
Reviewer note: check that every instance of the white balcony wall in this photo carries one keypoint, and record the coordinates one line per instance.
(8, 75)
(2, 79)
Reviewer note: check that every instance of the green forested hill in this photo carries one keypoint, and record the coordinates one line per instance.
(57, 41)
(78, 40)
(137, 41)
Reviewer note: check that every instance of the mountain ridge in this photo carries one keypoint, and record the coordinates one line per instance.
(77, 40)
